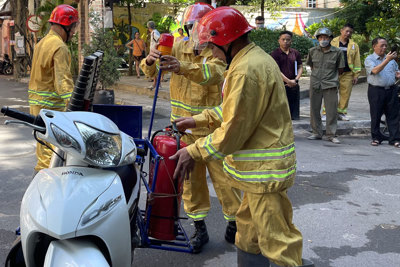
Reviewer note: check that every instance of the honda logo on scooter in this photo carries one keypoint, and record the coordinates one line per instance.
(72, 172)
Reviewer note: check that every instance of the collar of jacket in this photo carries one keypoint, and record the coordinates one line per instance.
(376, 56)
(52, 32)
(283, 52)
(241, 53)
(331, 48)
(336, 40)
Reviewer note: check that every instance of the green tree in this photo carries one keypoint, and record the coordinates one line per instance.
(102, 39)
(373, 17)
(334, 25)
(274, 7)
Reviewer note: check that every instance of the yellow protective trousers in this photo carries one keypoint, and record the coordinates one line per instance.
(196, 198)
(43, 153)
(264, 225)
(345, 87)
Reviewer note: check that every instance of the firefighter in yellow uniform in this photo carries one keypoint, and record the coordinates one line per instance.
(352, 70)
(195, 86)
(254, 139)
(51, 84)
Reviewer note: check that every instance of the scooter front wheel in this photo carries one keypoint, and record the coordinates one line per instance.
(74, 253)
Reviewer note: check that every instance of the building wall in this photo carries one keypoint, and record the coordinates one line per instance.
(292, 19)
(319, 3)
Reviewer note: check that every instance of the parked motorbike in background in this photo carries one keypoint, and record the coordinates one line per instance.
(6, 67)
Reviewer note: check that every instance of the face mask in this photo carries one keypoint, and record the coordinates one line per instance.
(260, 26)
(324, 43)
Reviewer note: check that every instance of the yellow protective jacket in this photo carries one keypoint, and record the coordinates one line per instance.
(198, 84)
(51, 82)
(255, 136)
(353, 55)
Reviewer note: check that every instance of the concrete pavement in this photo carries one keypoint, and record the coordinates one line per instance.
(358, 110)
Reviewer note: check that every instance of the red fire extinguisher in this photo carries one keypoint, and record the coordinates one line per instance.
(165, 200)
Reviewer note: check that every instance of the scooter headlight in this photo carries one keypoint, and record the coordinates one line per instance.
(102, 149)
(64, 139)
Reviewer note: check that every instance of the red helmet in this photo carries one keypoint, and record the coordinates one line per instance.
(64, 15)
(195, 12)
(222, 26)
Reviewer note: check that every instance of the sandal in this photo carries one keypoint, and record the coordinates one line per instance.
(377, 143)
(396, 144)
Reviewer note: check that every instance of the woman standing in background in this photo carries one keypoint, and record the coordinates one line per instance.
(139, 51)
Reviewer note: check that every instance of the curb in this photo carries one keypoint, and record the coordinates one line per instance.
(356, 127)
(141, 90)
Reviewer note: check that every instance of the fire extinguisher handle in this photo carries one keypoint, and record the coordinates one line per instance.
(176, 133)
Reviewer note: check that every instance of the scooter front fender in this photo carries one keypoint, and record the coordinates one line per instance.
(74, 252)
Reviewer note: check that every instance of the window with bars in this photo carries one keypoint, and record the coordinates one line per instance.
(312, 3)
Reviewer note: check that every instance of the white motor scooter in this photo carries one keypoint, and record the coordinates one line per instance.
(82, 213)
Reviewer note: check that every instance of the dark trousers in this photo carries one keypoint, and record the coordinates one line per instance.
(293, 95)
(384, 101)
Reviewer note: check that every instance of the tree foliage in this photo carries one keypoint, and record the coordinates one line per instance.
(274, 7)
(334, 25)
(373, 18)
(102, 39)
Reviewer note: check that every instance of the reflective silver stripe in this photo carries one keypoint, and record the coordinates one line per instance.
(45, 94)
(218, 111)
(260, 175)
(45, 103)
(192, 109)
(211, 149)
(264, 154)
(198, 215)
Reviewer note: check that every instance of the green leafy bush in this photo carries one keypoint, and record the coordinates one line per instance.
(268, 41)
(163, 23)
(102, 39)
(365, 47)
(333, 24)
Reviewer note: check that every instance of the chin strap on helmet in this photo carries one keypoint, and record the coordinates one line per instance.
(67, 31)
(228, 53)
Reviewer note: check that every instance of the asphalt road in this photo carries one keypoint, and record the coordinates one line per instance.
(346, 198)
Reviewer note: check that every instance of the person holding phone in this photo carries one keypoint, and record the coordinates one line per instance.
(382, 73)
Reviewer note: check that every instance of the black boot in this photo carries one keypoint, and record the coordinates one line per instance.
(230, 232)
(245, 259)
(200, 236)
(307, 263)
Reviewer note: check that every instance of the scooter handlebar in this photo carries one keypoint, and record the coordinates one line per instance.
(22, 116)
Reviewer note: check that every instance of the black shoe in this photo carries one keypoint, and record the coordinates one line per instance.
(200, 236)
(230, 232)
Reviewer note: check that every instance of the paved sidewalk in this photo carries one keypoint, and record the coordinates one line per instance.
(358, 110)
